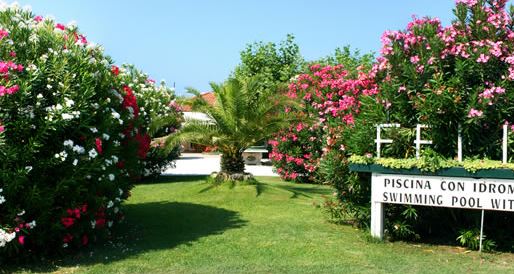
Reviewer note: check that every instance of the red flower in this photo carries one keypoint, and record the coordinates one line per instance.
(84, 208)
(129, 100)
(67, 238)
(144, 144)
(60, 26)
(76, 211)
(85, 239)
(115, 70)
(21, 240)
(98, 143)
(120, 164)
(67, 221)
(100, 223)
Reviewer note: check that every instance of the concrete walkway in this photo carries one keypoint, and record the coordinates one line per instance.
(205, 164)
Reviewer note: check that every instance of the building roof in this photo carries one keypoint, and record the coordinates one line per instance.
(209, 97)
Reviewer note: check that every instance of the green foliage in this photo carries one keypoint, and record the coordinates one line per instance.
(429, 162)
(273, 66)
(470, 238)
(352, 60)
(242, 116)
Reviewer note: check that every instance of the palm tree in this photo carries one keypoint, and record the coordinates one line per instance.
(241, 117)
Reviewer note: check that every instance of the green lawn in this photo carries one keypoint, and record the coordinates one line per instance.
(181, 225)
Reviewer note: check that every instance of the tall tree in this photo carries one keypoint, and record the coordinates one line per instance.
(274, 66)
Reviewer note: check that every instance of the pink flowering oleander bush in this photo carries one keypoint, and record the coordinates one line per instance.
(74, 135)
(330, 99)
(446, 76)
(296, 152)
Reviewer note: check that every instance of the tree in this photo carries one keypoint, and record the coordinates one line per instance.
(240, 118)
(274, 66)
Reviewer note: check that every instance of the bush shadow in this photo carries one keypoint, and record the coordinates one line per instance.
(295, 191)
(149, 226)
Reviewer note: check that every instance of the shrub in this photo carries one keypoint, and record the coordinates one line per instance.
(296, 152)
(455, 75)
(329, 101)
(461, 74)
(160, 114)
(72, 137)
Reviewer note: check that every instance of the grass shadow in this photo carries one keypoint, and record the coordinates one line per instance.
(149, 226)
(296, 191)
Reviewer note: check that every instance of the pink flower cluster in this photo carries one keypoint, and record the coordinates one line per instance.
(330, 95)
(5, 69)
(428, 49)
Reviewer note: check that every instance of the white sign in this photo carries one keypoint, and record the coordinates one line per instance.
(487, 194)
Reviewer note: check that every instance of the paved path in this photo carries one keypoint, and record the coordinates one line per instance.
(205, 164)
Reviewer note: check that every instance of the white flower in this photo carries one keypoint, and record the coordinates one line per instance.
(2, 199)
(111, 177)
(93, 153)
(109, 223)
(75, 162)
(78, 149)
(106, 136)
(94, 130)
(62, 155)
(115, 159)
(21, 213)
(32, 224)
(110, 204)
(66, 116)
(28, 168)
(39, 96)
(68, 102)
(116, 210)
(68, 143)
(115, 115)
(93, 224)
(6, 237)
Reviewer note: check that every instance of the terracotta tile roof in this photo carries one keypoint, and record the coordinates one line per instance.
(207, 96)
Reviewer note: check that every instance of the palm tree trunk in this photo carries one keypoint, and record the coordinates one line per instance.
(232, 162)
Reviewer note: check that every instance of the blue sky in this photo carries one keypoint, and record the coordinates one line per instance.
(193, 42)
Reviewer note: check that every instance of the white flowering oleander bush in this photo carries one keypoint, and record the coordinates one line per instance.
(73, 138)
(160, 113)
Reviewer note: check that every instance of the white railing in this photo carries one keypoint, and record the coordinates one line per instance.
(381, 141)
(418, 142)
